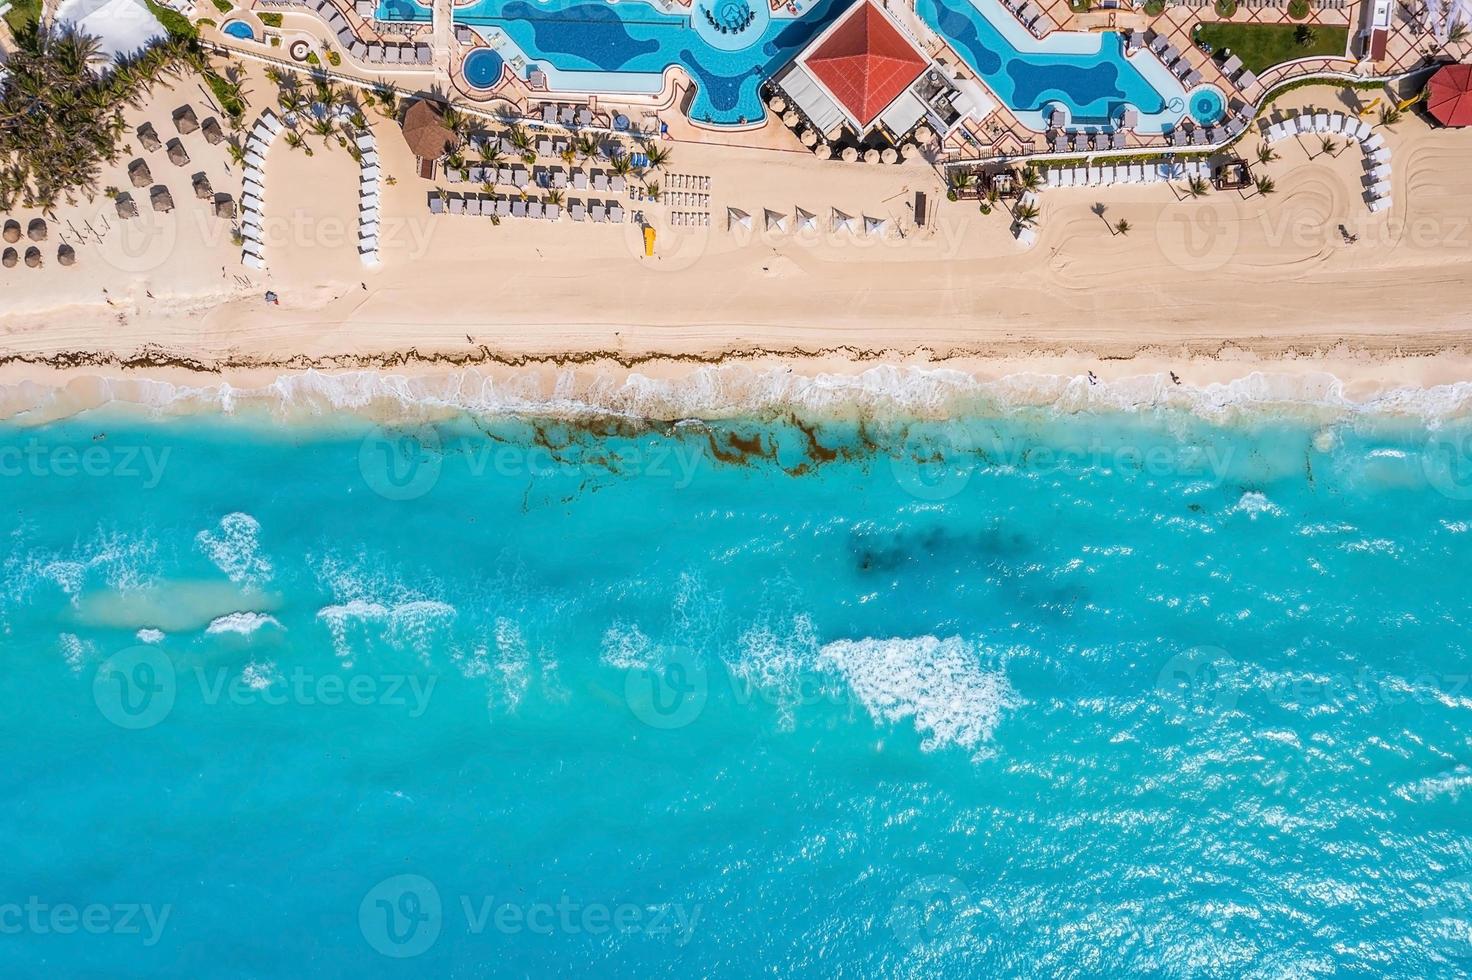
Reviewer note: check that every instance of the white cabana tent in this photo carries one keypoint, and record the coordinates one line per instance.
(875, 226)
(735, 216)
(806, 220)
(121, 26)
(842, 222)
(776, 221)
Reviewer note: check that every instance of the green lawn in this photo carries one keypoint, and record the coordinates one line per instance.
(1260, 46)
(21, 13)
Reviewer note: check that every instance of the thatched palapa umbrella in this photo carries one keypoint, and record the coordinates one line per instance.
(850, 154)
(66, 255)
(127, 207)
(428, 137)
(148, 136)
(177, 154)
(808, 137)
(225, 207)
(33, 257)
(162, 200)
(213, 134)
(871, 155)
(778, 104)
(139, 173)
(790, 118)
(9, 259)
(12, 231)
(202, 188)
(36, 230)
(185, 121)
(823, 150)
(890, 155)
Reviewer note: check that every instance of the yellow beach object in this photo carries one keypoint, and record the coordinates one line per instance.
(648, 241)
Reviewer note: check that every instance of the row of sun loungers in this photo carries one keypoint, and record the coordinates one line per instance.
(1325, 123)
(556, 177)
(486, 205)
(1032, 17)
(1097, 175)
(567, 115)
(370, 179)
(418, 55)
(253, 189)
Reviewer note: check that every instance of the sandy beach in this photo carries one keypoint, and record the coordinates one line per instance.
(1267, 292)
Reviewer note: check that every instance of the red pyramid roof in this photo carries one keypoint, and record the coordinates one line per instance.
(865, 63)
(1449, 95)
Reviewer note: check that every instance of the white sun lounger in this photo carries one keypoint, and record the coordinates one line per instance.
(1304, 122)
(372, 214)
(1027, 236)
(255, 160)
(1380, 171)
(1338, 123)
(1373, 142)
(1362, 130)
(253, 248)
(1051, 177)
(365, 142)
(1321, 121)
(252, 203)
(369, 173)
(252, 261)
(251, 187)
(1380, 204)
(1381, 155)
(369, 159)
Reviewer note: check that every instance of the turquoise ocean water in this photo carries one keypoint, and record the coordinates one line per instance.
(1091, 695)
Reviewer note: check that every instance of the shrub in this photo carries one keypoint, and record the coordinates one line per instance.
(1305, 36)
(224, 6)
(1226, 8)
(312, 58)
(334, 59)
(271, 20)
(1298, 9)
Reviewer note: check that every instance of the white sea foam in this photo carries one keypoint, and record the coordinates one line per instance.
(738, 389)
(625, 647)
(411, 624)
(244, 623)
(259, 675)
(1255, 505)
(1446, 784)
(74, 650)
(942, 684)
(235, 549)
(148, 635)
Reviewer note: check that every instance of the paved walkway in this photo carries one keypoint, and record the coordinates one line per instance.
(444, 41)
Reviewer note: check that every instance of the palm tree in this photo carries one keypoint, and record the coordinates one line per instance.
(296, 141)
(1197, 186)
(1265, 185)
(237, 152)
(324, 129)
(1328, 145)
(1122, 226)
(652, 190)
(1031, 179)
(1389, 116)
(554, 197)
(1026, 214)
(659, 156)
(622, 165)
(962, 181)
(585, 147)
(1266, 154)
(569, 155)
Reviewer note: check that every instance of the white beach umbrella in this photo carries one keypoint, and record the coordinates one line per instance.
(842, 222)
(776, 221)
(735, 216)
(806, 220)
(875, 226)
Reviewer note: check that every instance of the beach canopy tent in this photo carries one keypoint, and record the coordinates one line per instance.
(735, 216)
(1449, 95)
(841, 221)
(776, 221)
(806, 220)
(875, 226)
(122, 27)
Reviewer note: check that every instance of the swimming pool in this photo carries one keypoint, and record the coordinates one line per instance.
(239, 29)
(404, 12)
(583, 46)
(482, 67)
(1207, 106)
(1087, 73)
(627, 46)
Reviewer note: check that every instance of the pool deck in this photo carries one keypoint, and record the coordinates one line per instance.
(999, 133)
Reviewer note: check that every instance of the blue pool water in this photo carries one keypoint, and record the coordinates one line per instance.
(404, 11)
(627, 41)
(1107, 695)
(240, 29)
(1207, 104)
(626, 46)
(482, 68)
